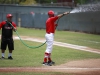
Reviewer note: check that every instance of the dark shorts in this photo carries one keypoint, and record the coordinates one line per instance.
(7, 42)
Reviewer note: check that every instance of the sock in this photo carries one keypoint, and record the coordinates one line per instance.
(45, 59)
(3, 54)
(49, 59)
(10, 54)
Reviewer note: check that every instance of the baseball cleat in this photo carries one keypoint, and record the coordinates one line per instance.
(44, 63)
(10, 57)
(47, 64)
(51, 62)
(2, 57)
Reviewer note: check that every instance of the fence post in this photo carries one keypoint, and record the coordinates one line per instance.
(19, 22)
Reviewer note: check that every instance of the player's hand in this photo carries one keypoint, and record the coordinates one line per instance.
(14, 29)
(66, 13)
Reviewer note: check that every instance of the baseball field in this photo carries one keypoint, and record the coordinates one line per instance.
(28, 61)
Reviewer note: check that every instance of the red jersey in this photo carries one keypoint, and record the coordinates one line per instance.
(50, 24)
(7, 29)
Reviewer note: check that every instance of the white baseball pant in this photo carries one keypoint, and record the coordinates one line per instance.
(49, 39)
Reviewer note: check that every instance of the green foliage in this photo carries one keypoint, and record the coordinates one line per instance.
(25, 2)
(86, 1)
(45, 1)
(81, 1)
(28, 2)
(6, 1)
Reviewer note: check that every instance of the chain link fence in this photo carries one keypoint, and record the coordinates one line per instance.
(82, 22)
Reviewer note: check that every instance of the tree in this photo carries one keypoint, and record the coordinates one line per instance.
(45, 1)
(81, 1)
(86, 1)
(28, 2)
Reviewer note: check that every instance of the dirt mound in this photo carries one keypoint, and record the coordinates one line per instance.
(90, 63)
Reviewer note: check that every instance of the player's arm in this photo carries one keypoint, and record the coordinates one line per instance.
(54, 18)
(65, 13)
(1, 24)
(14, 25)
(58, 16)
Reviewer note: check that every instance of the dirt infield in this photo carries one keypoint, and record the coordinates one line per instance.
(81, 67)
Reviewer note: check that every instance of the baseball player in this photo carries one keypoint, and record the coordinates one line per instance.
(7, 36)
(50, 30)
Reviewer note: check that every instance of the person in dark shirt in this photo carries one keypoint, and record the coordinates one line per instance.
(7, 35)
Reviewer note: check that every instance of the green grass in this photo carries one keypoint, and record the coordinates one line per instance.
(26, 57)
(31, 32)
(83, 39)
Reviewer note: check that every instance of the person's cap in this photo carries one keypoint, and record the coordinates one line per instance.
(9, 16)
(51, 13)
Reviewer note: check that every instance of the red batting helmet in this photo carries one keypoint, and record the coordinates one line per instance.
(9, 15)
(51, 13)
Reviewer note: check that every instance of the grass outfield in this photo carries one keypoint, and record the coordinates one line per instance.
(83, 39)
(26, 57)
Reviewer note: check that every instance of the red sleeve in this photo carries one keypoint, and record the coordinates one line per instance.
(55, 24)
(54, 18)
(14, 24)
(2, 23)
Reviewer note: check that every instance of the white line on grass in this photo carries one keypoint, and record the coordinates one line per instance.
(83, 48)
(91, 41)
